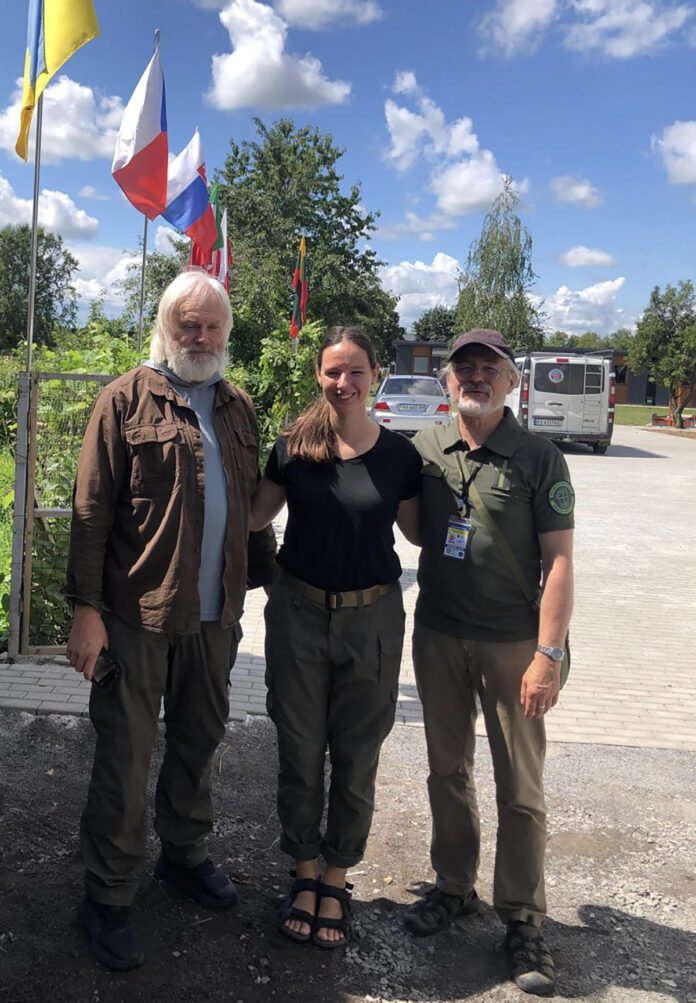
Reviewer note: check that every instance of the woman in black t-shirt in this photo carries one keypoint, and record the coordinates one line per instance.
(334, 625)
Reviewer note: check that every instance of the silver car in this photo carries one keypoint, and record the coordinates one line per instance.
(409, 403)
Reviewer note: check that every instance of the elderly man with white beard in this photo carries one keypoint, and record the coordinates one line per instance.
(160, 560)
(497, 526)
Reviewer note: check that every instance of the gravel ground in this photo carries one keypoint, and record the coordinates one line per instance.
(621, 884)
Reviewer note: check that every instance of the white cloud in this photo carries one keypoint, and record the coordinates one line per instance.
(57, 212)
(677, 148)
(90, 192)
(318, 14)
(581, 257)
(405, 82)
(618, 29)
(164, 238)
(463, 177)
(622, 29)
(101, 268)
(590, 309)
(78, 123)
(425, 228)
(576, 191)
(515, 26)
(468, 186)
(258, 73)
(420, 286)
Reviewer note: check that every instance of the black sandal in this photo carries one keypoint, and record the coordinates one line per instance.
(343, 895)
(532, 963)
(287, 909)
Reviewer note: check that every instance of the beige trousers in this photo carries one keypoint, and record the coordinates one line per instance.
(450, 672)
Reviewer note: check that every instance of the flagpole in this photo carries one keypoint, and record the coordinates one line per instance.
(34, 236)
(142, 289)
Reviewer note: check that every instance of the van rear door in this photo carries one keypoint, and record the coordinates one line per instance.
(568, 396)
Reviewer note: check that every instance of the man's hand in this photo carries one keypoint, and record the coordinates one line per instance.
(541, 686)
(87, 638)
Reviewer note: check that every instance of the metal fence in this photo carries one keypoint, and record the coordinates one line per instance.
(53, 411)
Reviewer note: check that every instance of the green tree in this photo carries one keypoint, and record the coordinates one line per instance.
(55, 296)
(665, 344)
(160, 269)
(621, 338)
(495, 284)
(436, 324)
(590, 339)
(559, 339)
(285, 184)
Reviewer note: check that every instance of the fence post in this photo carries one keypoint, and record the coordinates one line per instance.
(18, 515)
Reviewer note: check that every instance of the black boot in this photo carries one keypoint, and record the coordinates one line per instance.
(205, 882)
(111, 937)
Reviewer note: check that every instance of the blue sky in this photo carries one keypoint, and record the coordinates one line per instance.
(589, 105)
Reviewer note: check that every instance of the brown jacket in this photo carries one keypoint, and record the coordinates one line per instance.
(137, 524)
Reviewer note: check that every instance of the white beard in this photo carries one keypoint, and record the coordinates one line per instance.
(193, 365)
(469, 408)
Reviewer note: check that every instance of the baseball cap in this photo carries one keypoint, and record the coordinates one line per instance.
(482, 336)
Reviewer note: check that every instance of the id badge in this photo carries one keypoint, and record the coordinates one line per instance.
(458, 532)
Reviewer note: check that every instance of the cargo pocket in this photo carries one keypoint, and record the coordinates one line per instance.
(390, 650)
(155, 452)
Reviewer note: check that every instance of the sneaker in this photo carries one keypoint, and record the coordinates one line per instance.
(205, 882)
(532, 964)
(436, 910)
(111, 937)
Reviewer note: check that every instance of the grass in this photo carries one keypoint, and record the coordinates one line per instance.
(639, 414)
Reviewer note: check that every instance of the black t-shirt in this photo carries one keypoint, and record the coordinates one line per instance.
(339, 533)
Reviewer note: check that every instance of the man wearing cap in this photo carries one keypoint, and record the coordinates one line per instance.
(477, 634)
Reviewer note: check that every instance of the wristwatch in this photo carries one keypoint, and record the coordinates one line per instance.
(556, 654)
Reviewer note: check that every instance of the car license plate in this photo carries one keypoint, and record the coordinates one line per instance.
(548, 421)
(412, 408)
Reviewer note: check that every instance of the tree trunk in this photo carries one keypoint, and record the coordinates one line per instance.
(675, 409)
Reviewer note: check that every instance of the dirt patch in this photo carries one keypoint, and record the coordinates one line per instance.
(620, 850)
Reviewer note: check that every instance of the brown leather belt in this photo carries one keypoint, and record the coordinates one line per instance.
(334, 600)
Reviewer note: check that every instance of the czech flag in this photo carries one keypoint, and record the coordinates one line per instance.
(55, 30)
(301, 287)
(142, 151)
(188, 203)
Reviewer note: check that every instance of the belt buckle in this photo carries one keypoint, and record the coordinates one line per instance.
(333, 601)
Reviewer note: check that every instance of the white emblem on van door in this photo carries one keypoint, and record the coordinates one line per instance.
(556, 375)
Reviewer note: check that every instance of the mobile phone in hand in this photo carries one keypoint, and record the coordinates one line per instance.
(106, 671)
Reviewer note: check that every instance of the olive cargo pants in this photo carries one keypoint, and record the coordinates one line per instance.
(332, 681)
(191, 672)
(450, 672)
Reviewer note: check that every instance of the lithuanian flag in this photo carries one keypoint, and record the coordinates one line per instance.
(300, 285)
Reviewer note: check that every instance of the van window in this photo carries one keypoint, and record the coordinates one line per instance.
(568, 378)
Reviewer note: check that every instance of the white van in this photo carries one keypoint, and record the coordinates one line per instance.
(570, 398)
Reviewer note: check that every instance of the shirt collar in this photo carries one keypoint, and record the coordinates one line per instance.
(503, 440)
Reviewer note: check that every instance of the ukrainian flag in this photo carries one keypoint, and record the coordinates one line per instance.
(55, 29)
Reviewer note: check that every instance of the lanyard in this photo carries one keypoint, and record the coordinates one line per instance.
(464, 503)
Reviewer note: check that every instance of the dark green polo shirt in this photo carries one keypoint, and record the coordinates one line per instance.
(524, 483)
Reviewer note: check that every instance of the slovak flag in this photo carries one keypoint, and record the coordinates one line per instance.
(188, 202)
(142, 151)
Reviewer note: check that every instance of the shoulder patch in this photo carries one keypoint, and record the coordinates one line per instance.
(562, 497)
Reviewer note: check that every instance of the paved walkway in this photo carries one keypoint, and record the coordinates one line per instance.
(633, 680)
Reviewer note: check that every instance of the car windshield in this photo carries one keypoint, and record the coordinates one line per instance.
(425, 387)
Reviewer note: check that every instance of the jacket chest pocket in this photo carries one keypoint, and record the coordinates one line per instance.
(245, 448)
(156, 454)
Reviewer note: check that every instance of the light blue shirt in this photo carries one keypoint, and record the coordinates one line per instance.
(201, 397)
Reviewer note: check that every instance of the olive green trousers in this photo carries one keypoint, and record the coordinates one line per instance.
(451, 672)
(190, 673)
(332, 681)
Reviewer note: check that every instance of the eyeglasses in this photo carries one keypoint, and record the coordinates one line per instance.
(465, 371)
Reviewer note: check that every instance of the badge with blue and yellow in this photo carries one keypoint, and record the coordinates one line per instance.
(457, 540)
